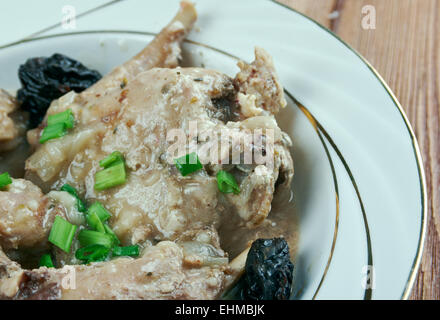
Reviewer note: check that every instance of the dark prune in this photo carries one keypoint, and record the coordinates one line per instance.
(46, 79)
(224, 109)
(268, 271)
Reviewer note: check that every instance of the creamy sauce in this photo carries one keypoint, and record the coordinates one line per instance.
(281, 222)
(13, 161)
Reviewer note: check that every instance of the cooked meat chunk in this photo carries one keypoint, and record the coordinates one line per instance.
(26, 215)
(10, 277)
(22, 215)
(160, 273)
(254, 201)
(12, 122)
(286, 162)
(260, 91)
(8, 131)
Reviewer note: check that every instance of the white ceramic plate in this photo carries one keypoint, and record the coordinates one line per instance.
(359, 186)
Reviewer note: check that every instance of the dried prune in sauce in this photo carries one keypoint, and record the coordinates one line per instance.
(45, 79)
(268, 271)
(224, 109)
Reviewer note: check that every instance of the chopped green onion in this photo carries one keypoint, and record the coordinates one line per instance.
(54, 131)
(62, 233)
(46, 261)
(92, 253)
(132, 251)
(5, 179)
(114, 173)
(227, 183)
(110, 177)
(100, 211)
(71, 190)
(114, 158)
(94, 222)
(111, 233)
(188, 164)
(57, 125)
(65, 117)
(89, 237)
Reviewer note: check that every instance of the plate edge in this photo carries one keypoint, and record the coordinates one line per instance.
(420, 167)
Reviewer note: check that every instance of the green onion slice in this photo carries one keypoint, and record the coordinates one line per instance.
(110, 177)
(54, 131)
(131, 251)
(62, 234)
(92, 253)
(89, 237)
(98, 209)
(46, 261)
(57, 125)
(5, 179)
(71, 190)
(65, 117)
(94, 222)
(111, 233)
(114, 158)
(226, 183)
(188, 164)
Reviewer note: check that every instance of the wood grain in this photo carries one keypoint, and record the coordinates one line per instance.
(404, 48)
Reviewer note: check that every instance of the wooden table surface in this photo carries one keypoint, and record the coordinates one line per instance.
(404, 48)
